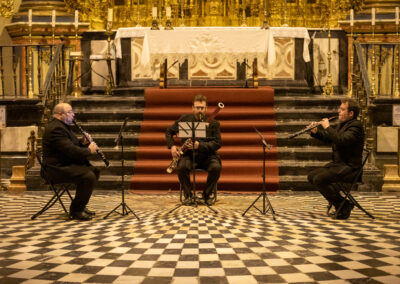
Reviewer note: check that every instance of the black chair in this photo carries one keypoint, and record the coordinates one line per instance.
(345, 188)
(213, 195)
(59, 189)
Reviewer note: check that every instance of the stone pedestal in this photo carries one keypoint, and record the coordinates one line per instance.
(391, 180)
(17, 180)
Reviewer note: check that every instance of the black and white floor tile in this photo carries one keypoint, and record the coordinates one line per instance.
(194, 245)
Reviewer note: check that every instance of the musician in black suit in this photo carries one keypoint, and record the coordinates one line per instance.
(206, 156)
(347, 139)
(65, 159)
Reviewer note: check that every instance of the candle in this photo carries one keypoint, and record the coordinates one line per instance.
(397, 16)
(110, 15)
(168, 12)
(30, 17)
(351, 17)
(76, 19)
(373, 16)
(154, 12)
(53, 18)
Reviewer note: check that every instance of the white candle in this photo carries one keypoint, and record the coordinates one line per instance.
(154, 12)
(30, 17)
(110, 15)
(397, 15)
(373, 16)
(53, 18)
(168, 12)
(351, 17)
(76, 22)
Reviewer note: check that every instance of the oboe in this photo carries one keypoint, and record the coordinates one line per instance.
(98, 151)
(308, 128)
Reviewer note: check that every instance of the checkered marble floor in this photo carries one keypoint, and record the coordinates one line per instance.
(194, 245)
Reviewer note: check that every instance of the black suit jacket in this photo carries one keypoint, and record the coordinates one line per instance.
(207, 146)
(61, 147)
(347, 141)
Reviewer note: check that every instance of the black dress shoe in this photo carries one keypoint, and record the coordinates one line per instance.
(187, 201)
(81, 215)
(345, 212)
(89, 212)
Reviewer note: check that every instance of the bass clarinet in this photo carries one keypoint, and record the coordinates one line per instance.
(185, 147)
(98, 151)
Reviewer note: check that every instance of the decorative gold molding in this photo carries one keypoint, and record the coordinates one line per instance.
(7, 8)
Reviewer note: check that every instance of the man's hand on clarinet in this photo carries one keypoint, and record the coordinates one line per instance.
(313, 125)
(325, 123)
(93, 147)
(85, 140)
(175, 152)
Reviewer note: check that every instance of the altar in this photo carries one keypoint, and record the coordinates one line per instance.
(213, 53)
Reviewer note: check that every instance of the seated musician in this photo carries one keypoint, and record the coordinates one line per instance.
(65, 159)
(206, 156)
(347, 140)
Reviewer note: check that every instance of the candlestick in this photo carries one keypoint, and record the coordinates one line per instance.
(76, 22)
(30, 17)
(154, 12)
(53, 18)
(351, 17)
(110, 15)
(373, 16)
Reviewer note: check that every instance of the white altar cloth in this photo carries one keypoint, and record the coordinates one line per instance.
(206, 43)
(276, 32)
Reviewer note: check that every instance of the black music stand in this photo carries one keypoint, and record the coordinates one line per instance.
(125, 208)
(193, 130)
(263, 193)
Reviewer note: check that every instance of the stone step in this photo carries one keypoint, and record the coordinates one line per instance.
(119, 91)
(93, 127)
(115, 167)
(108, 114)
(307, 101)
(298, 168)
(316, 113)
(113, 182)
(107, 102)
(295, 183)
(304, 153)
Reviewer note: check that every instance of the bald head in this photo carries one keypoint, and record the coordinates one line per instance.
(63, 112)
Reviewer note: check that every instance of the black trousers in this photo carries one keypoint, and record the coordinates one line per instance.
(84, 177)
(212, 164)
(322, 178)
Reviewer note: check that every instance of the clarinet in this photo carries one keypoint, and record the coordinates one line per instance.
(98, 151)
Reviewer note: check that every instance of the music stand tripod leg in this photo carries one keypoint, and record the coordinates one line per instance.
(120, 141)
(263, 193)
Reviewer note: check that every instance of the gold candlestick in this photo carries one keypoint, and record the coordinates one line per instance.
(350, 90)
(76, 89)
(396, 65)
(373, 64)
(109, 82)
(244, 24)
(328, 88)
(29, 66)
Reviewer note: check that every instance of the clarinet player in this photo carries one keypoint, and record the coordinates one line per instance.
(65, 159)
(347, 140)
(207, 157)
